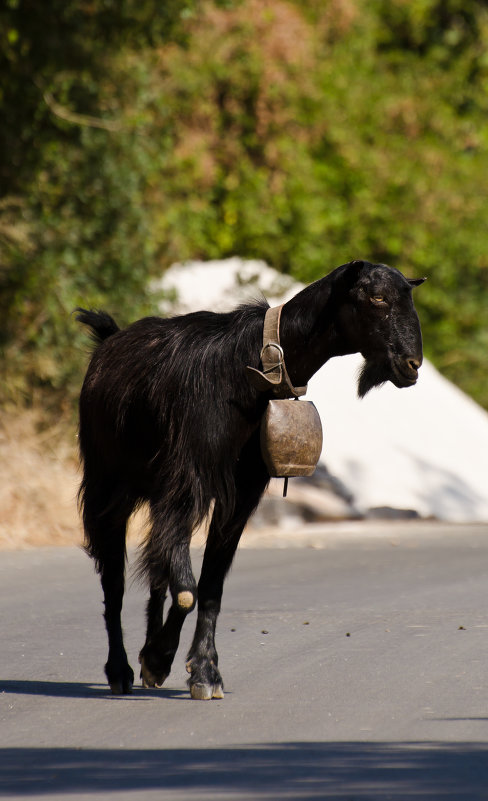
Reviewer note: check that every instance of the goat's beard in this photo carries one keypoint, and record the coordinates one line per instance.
(372, 374)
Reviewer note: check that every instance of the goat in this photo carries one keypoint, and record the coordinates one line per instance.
(169, 417)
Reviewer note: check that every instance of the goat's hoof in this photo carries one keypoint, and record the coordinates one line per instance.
(121, 687)
(149, 679)
(120, 677)
(204, 692)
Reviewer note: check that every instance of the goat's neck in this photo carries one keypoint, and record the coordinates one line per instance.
(311, 330)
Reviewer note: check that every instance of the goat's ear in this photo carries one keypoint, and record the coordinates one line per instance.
(355, 268)
(416, 281)
(350, 275)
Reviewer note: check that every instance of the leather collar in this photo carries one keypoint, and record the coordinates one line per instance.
(274, 375)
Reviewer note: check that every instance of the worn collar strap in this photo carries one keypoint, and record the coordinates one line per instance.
(274, 375)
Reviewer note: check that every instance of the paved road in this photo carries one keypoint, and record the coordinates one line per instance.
(357, 671)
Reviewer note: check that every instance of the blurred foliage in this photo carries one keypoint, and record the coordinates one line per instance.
(75, 227)
(305, 133)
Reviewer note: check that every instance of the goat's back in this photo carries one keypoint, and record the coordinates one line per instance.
(165, 392)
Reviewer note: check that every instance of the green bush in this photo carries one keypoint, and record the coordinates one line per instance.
(305, 134)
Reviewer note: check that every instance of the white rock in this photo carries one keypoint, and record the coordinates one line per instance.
(222, 285)
(422, 448)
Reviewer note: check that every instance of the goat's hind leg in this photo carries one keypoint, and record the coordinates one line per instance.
(173, 569)
(152, 659)
(119, 673)
(105, 529)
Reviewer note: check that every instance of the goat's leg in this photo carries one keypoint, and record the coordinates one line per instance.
(205, 681)
(117, 669)
(105, 530)
(151, 657)
(174, 569)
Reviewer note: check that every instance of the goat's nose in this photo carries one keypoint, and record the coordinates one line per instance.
(414, 364)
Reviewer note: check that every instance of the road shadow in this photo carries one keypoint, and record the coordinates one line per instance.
(345, 771)
(73, 689)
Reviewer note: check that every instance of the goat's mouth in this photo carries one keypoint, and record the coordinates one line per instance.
(401, 373)
(404, 375)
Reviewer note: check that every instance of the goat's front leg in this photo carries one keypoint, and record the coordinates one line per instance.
(205, 681)
(173, 569)
(202, 662)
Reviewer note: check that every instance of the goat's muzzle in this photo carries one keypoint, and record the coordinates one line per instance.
(406, 371)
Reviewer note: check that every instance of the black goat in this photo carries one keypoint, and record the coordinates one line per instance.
(169, 417)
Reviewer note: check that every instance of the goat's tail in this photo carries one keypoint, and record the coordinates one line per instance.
(101, 323)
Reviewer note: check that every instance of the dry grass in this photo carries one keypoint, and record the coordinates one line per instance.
(39, 477)
(38, 483)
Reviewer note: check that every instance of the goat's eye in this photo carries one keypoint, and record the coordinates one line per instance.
(377, 299)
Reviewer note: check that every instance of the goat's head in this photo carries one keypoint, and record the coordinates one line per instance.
(383, 325)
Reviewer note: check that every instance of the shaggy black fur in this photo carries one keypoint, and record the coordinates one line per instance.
(168, 417)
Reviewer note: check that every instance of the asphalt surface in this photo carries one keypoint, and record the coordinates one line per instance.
(354, 671)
